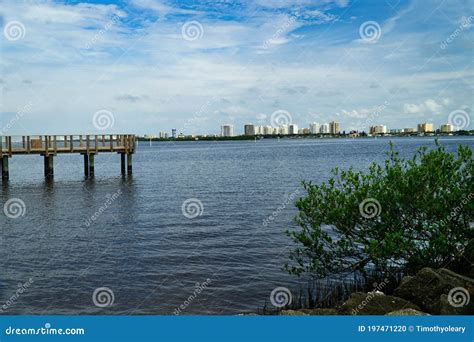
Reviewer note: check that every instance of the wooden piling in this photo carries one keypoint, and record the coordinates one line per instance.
(86, 165)
(129, 163)
(5, 171)
(122, 163)
(48, 166)
(91, 165)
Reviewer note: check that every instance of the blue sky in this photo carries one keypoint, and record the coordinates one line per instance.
(154, 65)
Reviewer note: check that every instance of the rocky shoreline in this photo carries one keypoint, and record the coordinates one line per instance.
(429, 292)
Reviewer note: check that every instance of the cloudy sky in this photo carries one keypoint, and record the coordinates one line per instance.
(145, 66)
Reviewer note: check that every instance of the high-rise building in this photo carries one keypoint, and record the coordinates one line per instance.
(249, 129)
(283, 130)
(227, 130)
(378, 129)
(314, 128)
(173, 133)
(293, 129)
(425, 127)
(334, 127)
(446, 128)
(396, 130)
(409, 130)
(268, 130)
(324, 128)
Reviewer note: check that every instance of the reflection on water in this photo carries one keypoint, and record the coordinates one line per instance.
(129, 234)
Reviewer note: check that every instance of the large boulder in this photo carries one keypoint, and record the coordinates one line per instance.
(438, 291)
(373, 303)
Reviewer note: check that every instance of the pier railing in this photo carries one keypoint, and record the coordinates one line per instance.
(51, 145)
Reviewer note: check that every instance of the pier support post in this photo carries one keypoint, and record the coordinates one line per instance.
(122, 163)
(5, 172)
(48, 166)
(86, 165)
(129, 163)
(91, 165)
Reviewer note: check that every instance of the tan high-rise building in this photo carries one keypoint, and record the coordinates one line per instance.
(446, 128)
(425, 127)
(334, 127)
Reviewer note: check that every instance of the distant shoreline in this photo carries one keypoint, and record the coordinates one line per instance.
(304, 136)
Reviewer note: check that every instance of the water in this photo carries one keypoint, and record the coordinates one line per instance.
(143, 248)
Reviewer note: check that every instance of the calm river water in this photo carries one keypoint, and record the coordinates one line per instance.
(130, 234)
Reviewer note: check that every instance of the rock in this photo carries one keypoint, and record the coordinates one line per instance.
(371, 303)
(427, 287)
(407, 312)
(292, 313)
(320, 312)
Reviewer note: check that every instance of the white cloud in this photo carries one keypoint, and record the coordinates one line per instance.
(428, 106)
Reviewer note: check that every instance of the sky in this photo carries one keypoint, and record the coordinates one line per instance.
(145, 66)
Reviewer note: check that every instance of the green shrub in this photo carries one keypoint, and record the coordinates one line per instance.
(404, 214)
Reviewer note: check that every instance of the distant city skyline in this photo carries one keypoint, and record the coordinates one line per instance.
(138, 64)
(331, 128)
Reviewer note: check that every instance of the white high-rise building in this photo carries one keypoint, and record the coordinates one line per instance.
(227, 130)
(283, 129)
(324, 128)
(267, 130)
(314, 128)
(293, 129)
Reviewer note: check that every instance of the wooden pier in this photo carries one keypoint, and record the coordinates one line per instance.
(48, 146)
